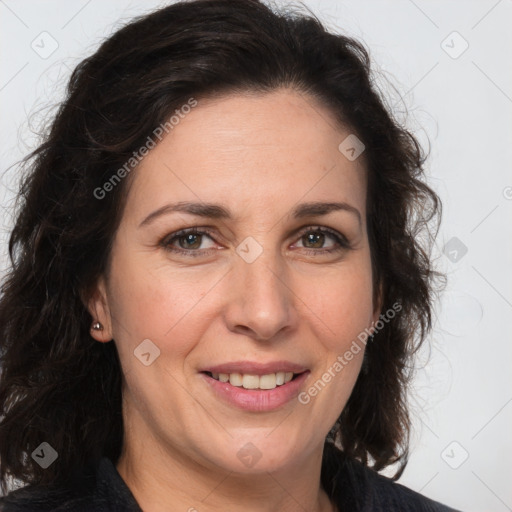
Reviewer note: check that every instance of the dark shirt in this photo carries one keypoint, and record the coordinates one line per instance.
(354, 488)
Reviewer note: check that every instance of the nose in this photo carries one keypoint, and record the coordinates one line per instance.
(260, 299)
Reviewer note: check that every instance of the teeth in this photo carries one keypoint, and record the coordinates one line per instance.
(235, 379)
(250, 381)
(268, 381)
(247, 381)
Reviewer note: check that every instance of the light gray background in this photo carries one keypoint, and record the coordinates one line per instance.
(463, 103)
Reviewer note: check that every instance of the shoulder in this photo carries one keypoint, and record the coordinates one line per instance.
(389, 495)
(43, 499)
(99, 491)
(356, 487)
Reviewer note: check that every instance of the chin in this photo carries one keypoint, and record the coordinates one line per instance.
(259, 451)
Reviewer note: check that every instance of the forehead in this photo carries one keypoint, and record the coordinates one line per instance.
(251, 151)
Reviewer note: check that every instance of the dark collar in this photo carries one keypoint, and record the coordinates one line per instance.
(112, 490)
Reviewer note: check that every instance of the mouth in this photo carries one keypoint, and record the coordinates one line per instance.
(254, 386)
(253, 381)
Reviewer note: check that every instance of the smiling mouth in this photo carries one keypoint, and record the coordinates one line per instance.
(254, 382)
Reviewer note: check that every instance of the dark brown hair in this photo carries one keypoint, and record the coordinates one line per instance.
(61, 386)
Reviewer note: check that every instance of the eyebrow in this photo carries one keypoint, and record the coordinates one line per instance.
(217, 211)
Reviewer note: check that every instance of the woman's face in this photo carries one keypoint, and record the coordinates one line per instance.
(259, 292)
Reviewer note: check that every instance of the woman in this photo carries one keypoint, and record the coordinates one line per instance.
(217, 282)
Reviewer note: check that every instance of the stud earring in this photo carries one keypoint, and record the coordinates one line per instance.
(96, 326)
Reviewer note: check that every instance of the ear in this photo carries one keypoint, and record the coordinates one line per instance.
(97, 305)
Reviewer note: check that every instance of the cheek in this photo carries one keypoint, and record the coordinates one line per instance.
(156, 304)
(341, 303)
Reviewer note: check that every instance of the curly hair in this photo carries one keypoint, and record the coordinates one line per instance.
(61, 386)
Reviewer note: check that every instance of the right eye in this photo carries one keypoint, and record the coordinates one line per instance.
(189, 241)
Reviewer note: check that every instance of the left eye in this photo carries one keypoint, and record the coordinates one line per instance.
(317, 238)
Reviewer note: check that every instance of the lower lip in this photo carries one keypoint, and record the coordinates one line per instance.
(256, 400)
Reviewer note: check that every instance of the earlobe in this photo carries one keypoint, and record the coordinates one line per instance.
(97, 305)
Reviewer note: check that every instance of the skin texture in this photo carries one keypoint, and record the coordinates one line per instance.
(260, 156)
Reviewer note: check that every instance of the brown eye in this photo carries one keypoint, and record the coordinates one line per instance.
(313, 240)
(187, 242)
(190, 241)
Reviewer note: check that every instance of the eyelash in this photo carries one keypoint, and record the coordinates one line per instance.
(166, 242)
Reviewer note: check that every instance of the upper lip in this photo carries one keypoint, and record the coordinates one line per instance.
(256, 368)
